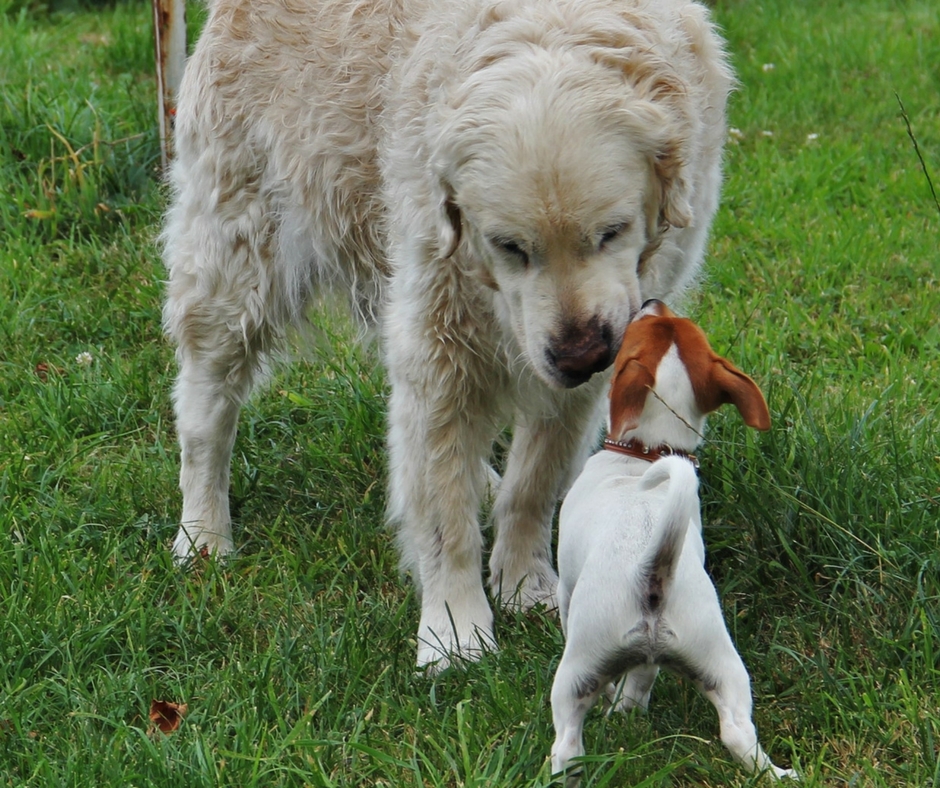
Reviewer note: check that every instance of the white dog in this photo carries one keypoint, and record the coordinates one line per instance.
(633, 592)
(498, 184)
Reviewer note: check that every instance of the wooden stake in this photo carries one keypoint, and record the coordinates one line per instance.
(169, 27)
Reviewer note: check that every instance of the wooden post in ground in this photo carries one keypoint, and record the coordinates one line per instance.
(169, 31)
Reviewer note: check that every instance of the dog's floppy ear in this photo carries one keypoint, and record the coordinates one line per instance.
(658, 134)
(448, 223)
(632, 382)
(732, 385)
(667, 204)
(645, 341)
(658, 113)
(674, 207)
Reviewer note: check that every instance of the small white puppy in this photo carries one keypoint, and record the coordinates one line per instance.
(633, 592)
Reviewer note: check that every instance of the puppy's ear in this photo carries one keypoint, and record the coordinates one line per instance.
(632, 382)
(732, 385)
(645, 342)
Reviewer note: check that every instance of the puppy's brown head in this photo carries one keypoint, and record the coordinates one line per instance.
(671, 356)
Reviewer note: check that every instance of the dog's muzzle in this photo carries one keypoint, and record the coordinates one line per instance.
(580, 352)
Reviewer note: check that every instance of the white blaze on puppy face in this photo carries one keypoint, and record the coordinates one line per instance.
(671, 414)
(556, 205)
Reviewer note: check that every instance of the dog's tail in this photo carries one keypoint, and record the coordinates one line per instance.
(658, 568)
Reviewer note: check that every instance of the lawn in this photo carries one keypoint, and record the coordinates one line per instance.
(295, 658)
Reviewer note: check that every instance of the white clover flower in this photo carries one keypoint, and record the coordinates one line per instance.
(84, 359)
(767, 133)
(768, 67)
(735, 134)
(812, 137)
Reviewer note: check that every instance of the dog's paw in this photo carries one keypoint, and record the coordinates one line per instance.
(454, 635)
(523, 590)
(436, 654)
(784, 774)
(435, 659)
(191, 543)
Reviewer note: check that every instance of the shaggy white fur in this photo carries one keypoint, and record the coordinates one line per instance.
(498, 184)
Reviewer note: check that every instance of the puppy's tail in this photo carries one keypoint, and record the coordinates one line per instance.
(658, 568)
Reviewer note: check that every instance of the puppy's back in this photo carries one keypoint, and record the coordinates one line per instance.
(619, 546)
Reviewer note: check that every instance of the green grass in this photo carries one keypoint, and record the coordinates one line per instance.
(295, 658)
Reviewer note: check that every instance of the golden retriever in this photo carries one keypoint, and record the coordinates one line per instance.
(498, 185)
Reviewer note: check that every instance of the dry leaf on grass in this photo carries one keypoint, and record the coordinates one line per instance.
(165, 716)
(42, 370)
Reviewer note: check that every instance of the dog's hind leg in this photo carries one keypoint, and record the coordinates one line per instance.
(548, 451)
(222, 312)
(209, 392)
(730, 693)
(574, 691)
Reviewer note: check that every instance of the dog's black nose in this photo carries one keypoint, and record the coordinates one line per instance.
(580, 351)
(654, 307)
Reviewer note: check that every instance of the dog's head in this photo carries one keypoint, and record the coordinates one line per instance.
(557, 176)
(667, 378)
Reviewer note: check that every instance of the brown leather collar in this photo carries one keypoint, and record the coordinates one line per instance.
(635, 448)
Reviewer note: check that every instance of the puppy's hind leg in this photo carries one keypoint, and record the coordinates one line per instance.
(574, 692)
(730, 693)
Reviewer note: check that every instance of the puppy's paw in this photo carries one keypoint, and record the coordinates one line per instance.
(784, 774)
(565, 771)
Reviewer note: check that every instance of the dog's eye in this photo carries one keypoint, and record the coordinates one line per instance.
(511, 248)
(611, 233)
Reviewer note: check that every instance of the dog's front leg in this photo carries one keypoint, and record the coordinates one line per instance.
(548, 450)
(441, 427)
